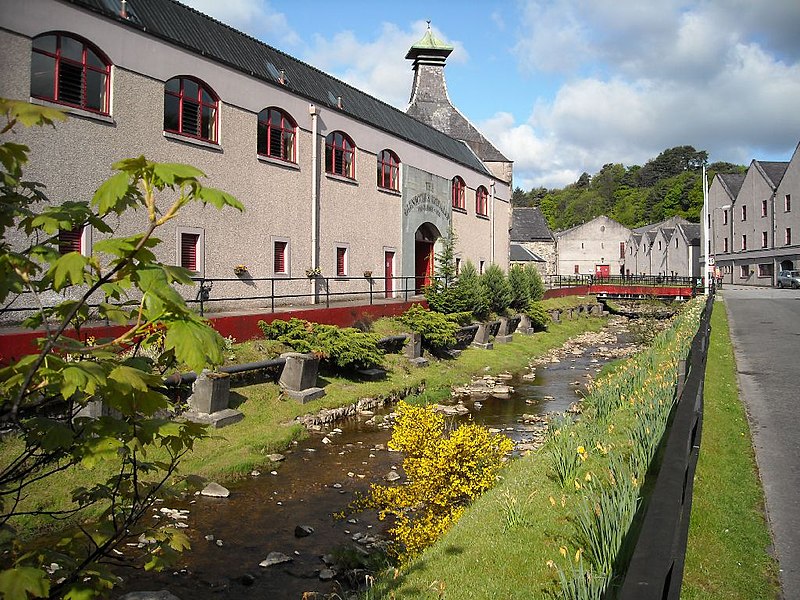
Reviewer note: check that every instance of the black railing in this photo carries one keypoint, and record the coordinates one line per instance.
(281, 291)
(655, 570)
(562, 281)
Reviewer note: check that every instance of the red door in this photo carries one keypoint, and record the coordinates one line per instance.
(602, 271)
(388, 273)
(424, 264)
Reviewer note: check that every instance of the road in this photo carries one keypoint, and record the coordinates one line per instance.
(765, 328)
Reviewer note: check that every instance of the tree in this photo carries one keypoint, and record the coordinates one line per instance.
(134, 450)
(520, 288)
(444, 295)
(496, 289)
(535, 283)
(472, 291)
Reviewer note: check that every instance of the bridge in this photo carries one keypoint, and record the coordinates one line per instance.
(631, 287)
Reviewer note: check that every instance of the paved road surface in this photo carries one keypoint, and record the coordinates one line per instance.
(765, 327)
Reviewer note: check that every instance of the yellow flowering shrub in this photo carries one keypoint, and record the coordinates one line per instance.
(444, 473)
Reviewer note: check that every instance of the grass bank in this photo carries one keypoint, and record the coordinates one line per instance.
(727, 555)
(267, 426)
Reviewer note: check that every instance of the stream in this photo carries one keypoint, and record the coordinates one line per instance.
(321, 475)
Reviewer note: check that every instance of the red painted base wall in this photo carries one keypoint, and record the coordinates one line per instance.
(17, 343)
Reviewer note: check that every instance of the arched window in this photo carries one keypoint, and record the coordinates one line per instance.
(69, 71)
(481, 201)
(276, 134)
(388, 170)
(340, 155)
(190, 109)
(458, 188)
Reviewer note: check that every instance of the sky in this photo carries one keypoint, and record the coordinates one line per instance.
(563, 87)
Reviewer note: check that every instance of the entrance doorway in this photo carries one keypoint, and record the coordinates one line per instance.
(786, 265)
(424, 240)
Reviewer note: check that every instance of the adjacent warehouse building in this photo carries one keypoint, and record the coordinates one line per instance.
(333, 180)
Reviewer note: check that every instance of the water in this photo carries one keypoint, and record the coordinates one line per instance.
(317, 480)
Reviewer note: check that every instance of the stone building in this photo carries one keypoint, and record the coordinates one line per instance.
(670, 248)
(593, 248)
(333, 180)
(531, 240)
(753, 224)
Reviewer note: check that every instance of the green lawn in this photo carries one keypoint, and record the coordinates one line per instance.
(728, 550)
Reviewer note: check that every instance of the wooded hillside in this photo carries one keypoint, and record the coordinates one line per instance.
(667, 185)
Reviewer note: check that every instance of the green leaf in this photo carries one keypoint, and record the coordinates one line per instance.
(30, 114)
(195, 344)
(99, 449)
(132, 378)
(110, 195)
(172, 173)
(218, 198)
(22, 582)
(68, 268)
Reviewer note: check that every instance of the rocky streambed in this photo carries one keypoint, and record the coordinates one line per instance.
(287, 530)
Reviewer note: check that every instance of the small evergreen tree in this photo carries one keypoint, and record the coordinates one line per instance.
(520, 288)
(535, 283)
(496, 288)
(472, 292)
(443, 294)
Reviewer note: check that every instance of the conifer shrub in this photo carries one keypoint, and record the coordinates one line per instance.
(520, 288)
(535, 283)
(538, 315)
(471, 291)
(496, 289)
(346, 348)
(438, 331)
(445, 472)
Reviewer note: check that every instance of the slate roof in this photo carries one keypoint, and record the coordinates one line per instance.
(520, 253)
(692, 232)
(199, 33)
(774, 170)
(529, 225)
(733, 182)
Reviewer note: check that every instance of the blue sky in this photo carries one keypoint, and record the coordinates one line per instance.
(565, 86)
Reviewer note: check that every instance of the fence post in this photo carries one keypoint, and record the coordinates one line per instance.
(272, 294)
(327, 293)
(370, 290)
(202, 294)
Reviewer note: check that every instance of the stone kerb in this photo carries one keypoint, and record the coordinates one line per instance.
(504, 331)
(299, 377)
(481, 339)
(208, 403)
(525, 326)
(413, 349)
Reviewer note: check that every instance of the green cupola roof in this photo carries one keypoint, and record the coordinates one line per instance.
(429, 46)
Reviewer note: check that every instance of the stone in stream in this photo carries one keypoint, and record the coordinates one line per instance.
(303, 531)
(215, 490)
(392, 476)
(276, 457)
(326, 574)
(275, 558)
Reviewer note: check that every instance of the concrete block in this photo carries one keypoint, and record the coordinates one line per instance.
(217, 420)
(210, 392)
(555, 316)
(525, 326)
(372, 374)
(306, 395)
(413, 347)
(418, 362)
(300, 371)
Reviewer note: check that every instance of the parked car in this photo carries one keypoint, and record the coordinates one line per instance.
(788, 279)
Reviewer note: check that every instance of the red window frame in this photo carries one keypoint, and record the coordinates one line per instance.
(787, 203)
(622, 249)
(341, 261)
(763, 208)
(340, 155)
(481, 201)
(279, 258)
(388, 170)
(458, 187)
(203, 99)
(763, 239)
(744, 242)
(277, 135)
(66, 68)
(189, 243)
(788, 236)
(744, 212)
(70, 240)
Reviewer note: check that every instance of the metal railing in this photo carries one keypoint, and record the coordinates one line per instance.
(562, 281)
(280, 291)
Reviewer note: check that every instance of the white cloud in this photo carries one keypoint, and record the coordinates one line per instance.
(377, 66)
(255, 17)
(642, 80)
